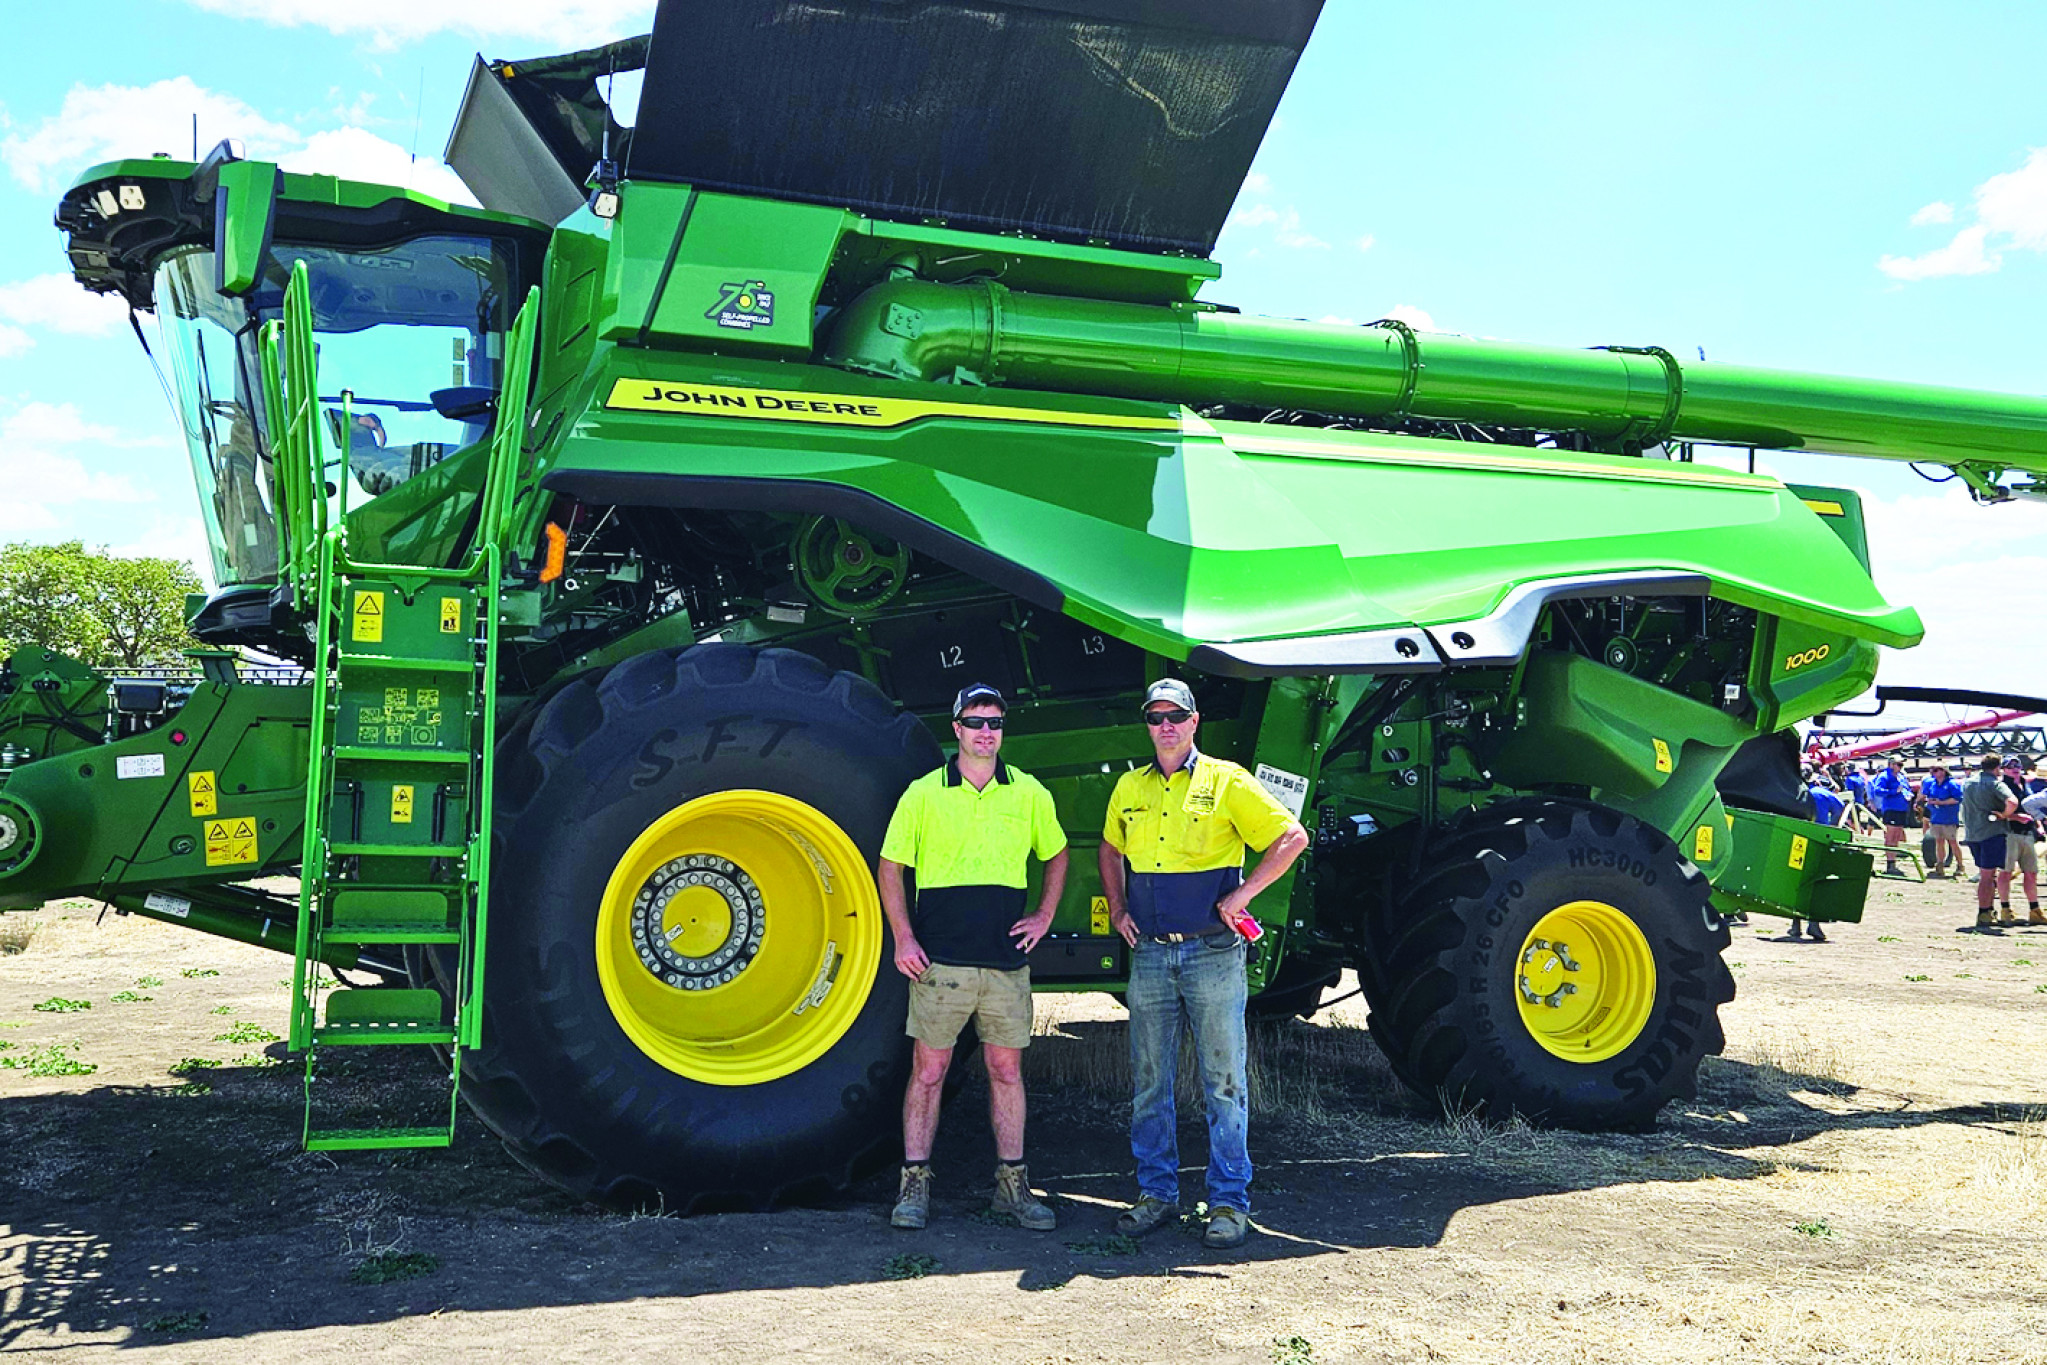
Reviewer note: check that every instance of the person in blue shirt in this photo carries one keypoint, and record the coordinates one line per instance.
(1891, 795)
(1943, 798)
(1828, 808)
(1855, 790)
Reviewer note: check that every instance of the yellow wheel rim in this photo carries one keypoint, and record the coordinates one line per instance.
(738, 937)
(1585, 981)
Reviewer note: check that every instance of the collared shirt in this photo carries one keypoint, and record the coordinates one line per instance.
(1889, 791)
(1949, 790)
(1983, 802)
(970, 850)
(1183, 838)
(1827, 807)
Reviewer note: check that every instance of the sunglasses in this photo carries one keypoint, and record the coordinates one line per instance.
(1173, 717)
(980, 722)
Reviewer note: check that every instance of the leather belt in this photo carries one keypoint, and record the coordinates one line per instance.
(1206, 937)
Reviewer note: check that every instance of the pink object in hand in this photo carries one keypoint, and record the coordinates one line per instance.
(1249, 927)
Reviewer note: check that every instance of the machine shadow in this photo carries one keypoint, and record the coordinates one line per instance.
(169, 1215)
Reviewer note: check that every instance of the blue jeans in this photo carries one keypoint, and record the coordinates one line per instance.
(1172, 984)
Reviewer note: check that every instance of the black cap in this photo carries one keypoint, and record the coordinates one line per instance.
(977, 694)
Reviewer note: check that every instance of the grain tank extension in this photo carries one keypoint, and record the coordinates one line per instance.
(631, 534)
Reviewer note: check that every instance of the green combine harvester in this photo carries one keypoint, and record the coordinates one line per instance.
(630, 536)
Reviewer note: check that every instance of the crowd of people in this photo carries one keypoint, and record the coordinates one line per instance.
(1997, 815)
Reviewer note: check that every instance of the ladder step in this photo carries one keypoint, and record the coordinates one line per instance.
(389, 933)
(365, 754)
(382, 1035)
(384, 1006)
(370, 1139)
(398, 850)
(396, 663)
(419, 907)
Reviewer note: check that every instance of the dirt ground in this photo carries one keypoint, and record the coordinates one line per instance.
(1863, 1177)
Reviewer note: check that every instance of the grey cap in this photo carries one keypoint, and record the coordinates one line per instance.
(1172, 690)
(977, 694)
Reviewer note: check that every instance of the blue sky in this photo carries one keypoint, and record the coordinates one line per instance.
(1843, 188)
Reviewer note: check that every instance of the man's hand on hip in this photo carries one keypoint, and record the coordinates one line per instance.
(1120, 921)
(1031, 929)
(911, 959)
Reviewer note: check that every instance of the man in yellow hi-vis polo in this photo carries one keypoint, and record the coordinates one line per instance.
(1172, 862)
(969, 830)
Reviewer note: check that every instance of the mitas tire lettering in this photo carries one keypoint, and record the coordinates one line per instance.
(557, 1077)
(1443, 961)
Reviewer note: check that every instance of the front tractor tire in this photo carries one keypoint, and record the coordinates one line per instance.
(1556, 960)
(690, 998)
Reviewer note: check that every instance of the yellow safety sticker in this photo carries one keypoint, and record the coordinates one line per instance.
(230, 841)
(203, 792)
(843, 409)
(1798, 851)
(401, 804)
(1663, 763)
(367, 620)
(451, 616)
(1826, 508)
(1098, 916)
(1702, 845)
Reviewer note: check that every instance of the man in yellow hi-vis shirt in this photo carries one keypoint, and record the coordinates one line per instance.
(1172, 862)
(969, 830)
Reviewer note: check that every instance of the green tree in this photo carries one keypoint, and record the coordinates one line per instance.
(97, 607)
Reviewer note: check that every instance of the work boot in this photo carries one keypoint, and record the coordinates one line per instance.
(2033, 915)
(2004, 915)
(1986, 923)
(913, 1198)
(1148, 1214)
(1013, 1196)
(1812, 931)
(1227, 1228)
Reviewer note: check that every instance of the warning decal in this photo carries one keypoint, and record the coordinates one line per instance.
(204, 793)
(1098, 916)
(451, 616)
(1798, 844)
(230, 841)
(1663, 763)
(1702, 845)
(401, 804)
(366, 621)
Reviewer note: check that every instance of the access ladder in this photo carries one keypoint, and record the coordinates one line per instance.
(398, 791)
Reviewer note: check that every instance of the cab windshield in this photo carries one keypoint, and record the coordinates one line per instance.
(410, 342)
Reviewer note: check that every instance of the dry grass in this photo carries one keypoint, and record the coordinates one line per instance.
(16, 933)
(1310, 1073)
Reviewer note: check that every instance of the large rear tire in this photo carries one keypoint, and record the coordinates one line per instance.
(1556, 960)
(689, 997)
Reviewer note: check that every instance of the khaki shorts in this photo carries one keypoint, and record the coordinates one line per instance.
(2019, 853)
(944, 998)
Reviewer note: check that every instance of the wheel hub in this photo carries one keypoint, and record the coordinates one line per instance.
(697, 922)
(1543, 979)
(1585, 981)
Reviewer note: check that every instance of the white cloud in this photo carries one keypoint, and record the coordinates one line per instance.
(1952, 559)
(1413, 317)
(569, 23)
(59, 303)
(1965, 255)
(1253, 215)
(1337, 320)
(1366, 242)
(37, 444)
(356, 154)
(1936, 212)
(1287, 233)
(1258, 182)
(2011, 215)
(102, 122)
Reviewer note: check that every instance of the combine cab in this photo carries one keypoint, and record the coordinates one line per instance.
(633, 533)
